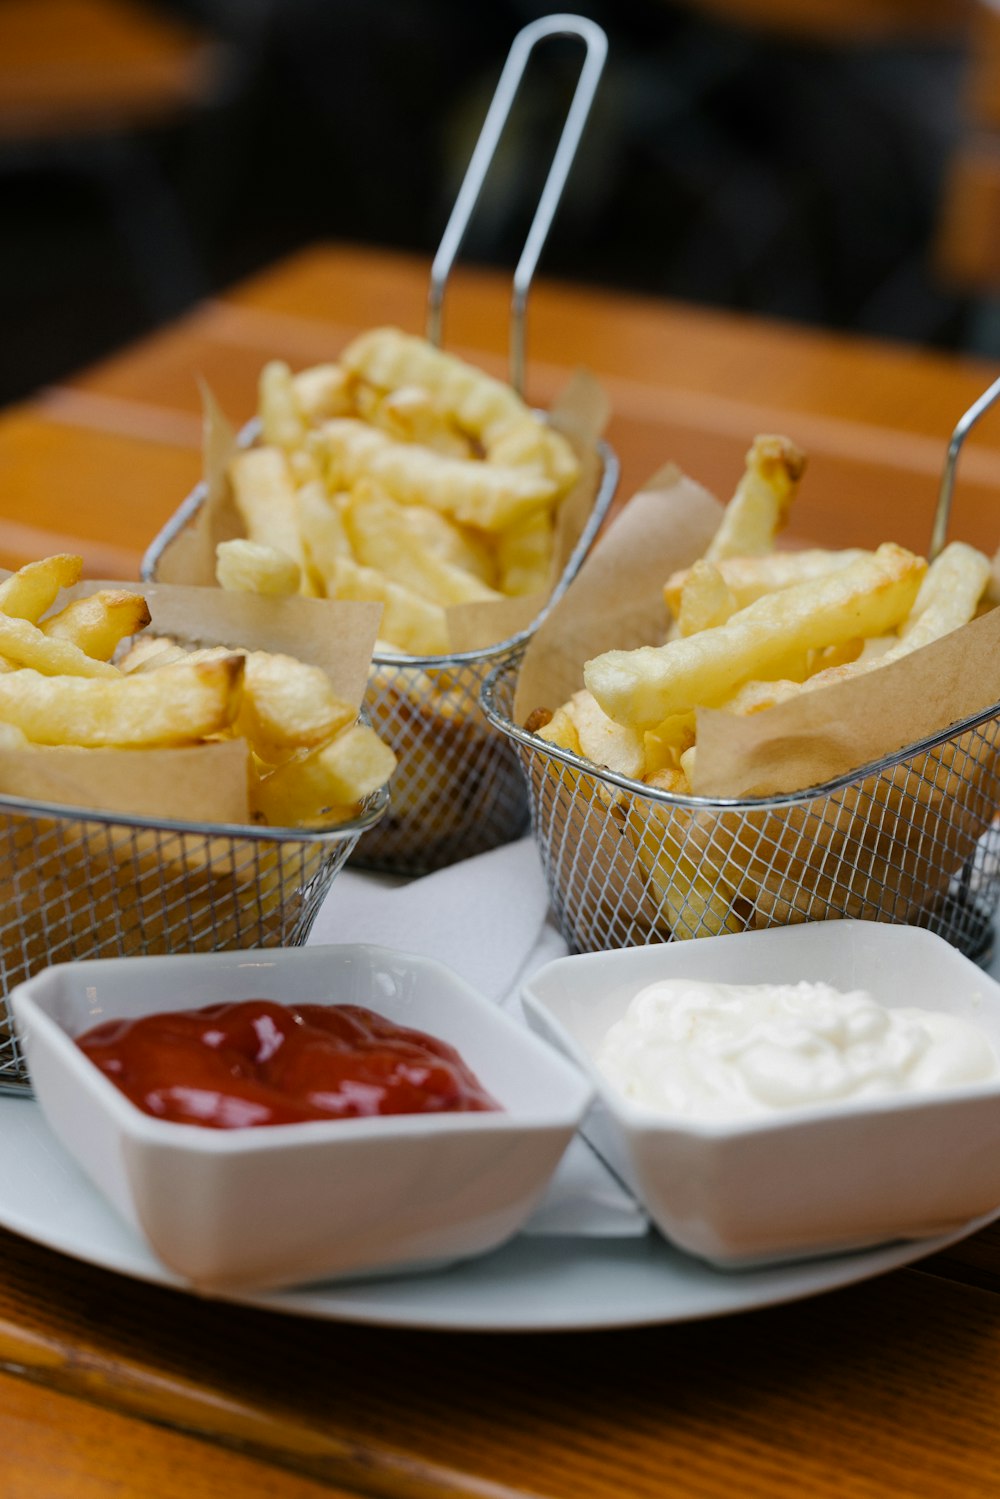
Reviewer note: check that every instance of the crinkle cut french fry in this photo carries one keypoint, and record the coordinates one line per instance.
(99, 623)
(759, 508)
(382, 537)
(748, 578)
(459, 545)
(179, 704)
(282, 422)
(244, 566)
(478, 404)
(643, 687)
(27, 593)
(409, 622)
(525, 553)
(486, 495)
(410, 414)
(323, 391)
(324, 537)
(947, 599)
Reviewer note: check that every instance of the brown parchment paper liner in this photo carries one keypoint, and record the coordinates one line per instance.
(162, 872)
(889, 845)
(580, 413)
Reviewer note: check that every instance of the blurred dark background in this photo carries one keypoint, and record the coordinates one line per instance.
(793, 171)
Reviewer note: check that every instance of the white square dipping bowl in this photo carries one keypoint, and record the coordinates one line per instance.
(285, 1204)
(803, 1182)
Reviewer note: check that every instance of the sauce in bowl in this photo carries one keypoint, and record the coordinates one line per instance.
(258, 1062)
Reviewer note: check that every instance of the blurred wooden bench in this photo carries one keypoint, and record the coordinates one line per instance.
(968, 244)
(82, 83)
(842, 20)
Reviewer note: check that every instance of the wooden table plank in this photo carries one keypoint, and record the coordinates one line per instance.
(847, 1395)
(57, 1447)
(75, 488)
(690, 386)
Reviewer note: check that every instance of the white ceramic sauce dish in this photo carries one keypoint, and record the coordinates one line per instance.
(285, 1204)
(799, 1182)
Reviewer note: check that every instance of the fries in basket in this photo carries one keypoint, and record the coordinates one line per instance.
(404, 476)
(158, 798)
(86, 677)
(400, 474)
(753, 633)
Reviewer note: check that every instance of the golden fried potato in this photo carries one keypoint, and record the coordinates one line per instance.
(244, 566)
(645, 686)
(180, 704)
(27, 593)
(100, 622)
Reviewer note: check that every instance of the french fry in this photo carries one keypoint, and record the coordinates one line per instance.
(324, 537)
(325, 785)
(149, 652)
(409, 622)
(948, 598)
(323, 391)
(282, 422)
(759, 508)
(459, 545)
(645, 686)
(705, 599)
(410, 414)
(748, 578)
(24, 644)
(489, 496)
(99, 623)
(486, 408)
(179, 704)
(288, 704)
(27, 593)
(264, 495)
(560, 730)
(616, 746)
(244, 566)
(525, 554)
(381, 537)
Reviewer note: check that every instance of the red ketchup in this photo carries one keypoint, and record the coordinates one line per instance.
(258, 1062)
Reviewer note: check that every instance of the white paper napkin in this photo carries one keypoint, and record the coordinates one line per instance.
(488, 919)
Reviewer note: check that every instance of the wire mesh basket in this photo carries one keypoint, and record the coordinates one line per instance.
(909, 839)
(80, 884)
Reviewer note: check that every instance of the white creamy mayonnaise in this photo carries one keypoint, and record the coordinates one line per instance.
(729, 1051)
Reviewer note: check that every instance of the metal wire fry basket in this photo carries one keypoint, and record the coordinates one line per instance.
(913, 838)
(78, 884)
(906, 839)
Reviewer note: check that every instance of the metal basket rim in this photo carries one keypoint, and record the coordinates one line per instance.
(610, 471)
(252, 832)
(506, 725)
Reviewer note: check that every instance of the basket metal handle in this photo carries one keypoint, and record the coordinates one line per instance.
(942, 514)
(596, 43)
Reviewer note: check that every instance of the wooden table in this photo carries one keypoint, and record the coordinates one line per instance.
(889, 1388)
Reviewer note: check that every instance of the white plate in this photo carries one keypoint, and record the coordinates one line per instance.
(532, 1285)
